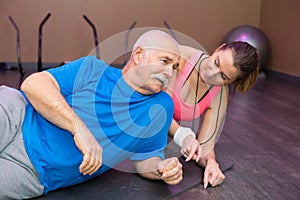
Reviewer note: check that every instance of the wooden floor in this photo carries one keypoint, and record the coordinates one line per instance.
(262, 136)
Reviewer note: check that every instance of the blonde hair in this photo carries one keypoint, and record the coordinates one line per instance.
(244, 85)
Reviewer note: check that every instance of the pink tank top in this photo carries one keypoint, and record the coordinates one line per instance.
(183, 111)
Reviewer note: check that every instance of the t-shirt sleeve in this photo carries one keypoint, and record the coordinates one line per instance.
(66, 75)
(78, 74)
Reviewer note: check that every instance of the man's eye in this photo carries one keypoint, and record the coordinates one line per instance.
(165, 61)
(175, 66)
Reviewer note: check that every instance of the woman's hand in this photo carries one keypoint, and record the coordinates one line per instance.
(191, 149)
(213, 174)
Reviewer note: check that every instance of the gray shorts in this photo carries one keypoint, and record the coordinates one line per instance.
(18, 178)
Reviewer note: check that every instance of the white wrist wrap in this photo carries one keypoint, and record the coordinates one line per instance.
(181, 133)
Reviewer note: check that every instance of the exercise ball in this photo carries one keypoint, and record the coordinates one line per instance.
(253, 36)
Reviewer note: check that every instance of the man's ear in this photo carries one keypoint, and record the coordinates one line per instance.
(138, 55)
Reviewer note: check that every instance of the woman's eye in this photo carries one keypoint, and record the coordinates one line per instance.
(216, 63)
(223, 76)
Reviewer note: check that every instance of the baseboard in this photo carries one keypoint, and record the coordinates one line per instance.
(32, 66)
(283, 76)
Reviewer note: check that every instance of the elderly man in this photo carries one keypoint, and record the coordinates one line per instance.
(72, 123)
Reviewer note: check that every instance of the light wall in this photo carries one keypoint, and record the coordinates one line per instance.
(280, 22)
(67, 36)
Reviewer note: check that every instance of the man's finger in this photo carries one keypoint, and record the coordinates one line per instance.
(173, 175)
(90, 167)
(171, 169)
(85, 162)
(174, 182)
(171, 165)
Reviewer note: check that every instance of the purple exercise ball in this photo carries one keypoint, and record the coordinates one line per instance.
(253, 36)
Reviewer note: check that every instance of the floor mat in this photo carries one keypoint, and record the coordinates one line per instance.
(115, 184)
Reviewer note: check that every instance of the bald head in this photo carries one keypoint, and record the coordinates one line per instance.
(156, 39)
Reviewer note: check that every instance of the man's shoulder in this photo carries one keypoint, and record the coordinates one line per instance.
(164, 99)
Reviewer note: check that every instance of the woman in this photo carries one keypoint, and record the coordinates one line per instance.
(200, 97)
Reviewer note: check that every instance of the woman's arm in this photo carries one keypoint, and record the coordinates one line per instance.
(44, 94)
(208, 135)
(186, 139)
(173, 128)
(213, 121)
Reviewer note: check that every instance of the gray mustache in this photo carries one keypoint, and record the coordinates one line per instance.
(161, 78)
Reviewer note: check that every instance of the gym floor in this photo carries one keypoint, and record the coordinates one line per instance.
(261, 135)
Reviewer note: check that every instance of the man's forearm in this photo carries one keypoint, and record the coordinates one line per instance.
(149, 168)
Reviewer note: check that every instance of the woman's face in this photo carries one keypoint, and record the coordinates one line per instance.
(218, 69)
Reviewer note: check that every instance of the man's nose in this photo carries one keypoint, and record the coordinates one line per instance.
(168, 71)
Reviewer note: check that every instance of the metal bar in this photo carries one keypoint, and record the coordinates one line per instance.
(20, 67)
(126, 42)
(95, 35)
(40, 64)
(170, 29)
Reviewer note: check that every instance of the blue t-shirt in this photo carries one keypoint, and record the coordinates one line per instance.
(126, 123)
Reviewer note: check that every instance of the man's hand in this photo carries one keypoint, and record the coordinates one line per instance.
(171, 170)
(89, 147)
(191, 148)
(213, 174)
